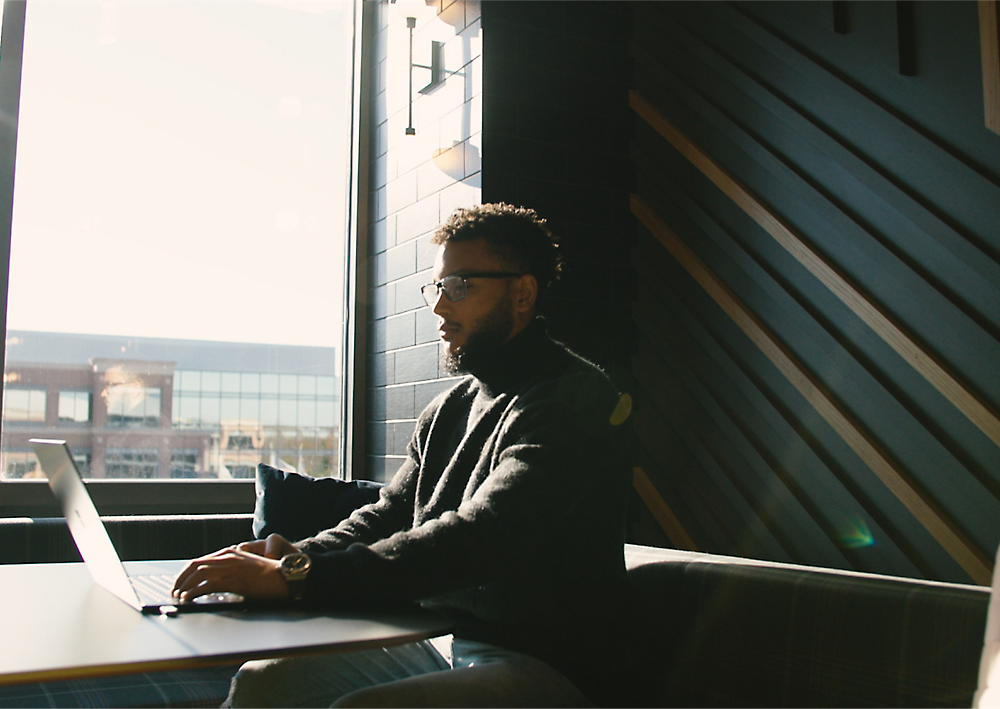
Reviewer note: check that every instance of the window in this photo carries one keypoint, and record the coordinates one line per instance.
(132, 463)
(240, 441)
(184, 464)
(82, 460)
(20, 465)
(24, 405)
(184, 301)
(74, 407)
(131, 405)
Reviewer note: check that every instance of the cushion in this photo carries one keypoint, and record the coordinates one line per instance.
(297, 506)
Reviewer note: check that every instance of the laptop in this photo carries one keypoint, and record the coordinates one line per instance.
(147, 593)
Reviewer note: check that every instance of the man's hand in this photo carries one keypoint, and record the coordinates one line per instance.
(250, 569)
(274, 547)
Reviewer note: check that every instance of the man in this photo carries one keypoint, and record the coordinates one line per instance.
(508, 514)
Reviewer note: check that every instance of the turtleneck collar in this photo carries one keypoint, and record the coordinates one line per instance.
(515, 360)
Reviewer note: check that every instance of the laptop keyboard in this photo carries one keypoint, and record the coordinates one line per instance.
(154, 589)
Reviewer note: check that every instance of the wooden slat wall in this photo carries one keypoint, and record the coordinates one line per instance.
(818, 305)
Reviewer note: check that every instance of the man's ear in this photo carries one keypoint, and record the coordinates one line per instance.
(526, 293)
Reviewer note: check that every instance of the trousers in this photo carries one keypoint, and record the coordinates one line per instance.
(422, 674)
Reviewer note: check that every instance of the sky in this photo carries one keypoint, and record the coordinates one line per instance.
(182, 170)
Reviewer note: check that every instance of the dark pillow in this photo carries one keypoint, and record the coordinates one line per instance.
(297, 506)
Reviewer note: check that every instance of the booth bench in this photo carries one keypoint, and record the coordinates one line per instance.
(719, 631)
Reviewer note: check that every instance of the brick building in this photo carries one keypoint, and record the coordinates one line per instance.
(170, 408)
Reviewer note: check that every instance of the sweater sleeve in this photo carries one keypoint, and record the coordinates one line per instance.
(391, 513)
(538, 482)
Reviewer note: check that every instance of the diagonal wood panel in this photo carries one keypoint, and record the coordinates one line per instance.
(982, 416)
(908, 491)
(661, 511)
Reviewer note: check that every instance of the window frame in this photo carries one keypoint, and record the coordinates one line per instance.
(32, 498)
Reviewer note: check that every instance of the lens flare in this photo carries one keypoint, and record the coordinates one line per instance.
(853, 532)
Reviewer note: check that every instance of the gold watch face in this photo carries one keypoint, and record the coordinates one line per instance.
(295, 566)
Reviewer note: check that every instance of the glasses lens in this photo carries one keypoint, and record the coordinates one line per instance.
(453, 287)
(430, 293)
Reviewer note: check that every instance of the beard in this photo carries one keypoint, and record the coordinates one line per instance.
(488, 334)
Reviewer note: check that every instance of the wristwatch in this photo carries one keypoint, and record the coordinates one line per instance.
(295, 567)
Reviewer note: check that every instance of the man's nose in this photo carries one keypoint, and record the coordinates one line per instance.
(442, 304)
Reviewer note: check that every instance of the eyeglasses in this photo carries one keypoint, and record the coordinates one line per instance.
(454, 287)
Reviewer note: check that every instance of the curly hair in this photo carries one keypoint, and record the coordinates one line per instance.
(515, 234)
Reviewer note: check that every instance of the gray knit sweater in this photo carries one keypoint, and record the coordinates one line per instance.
(507, 515)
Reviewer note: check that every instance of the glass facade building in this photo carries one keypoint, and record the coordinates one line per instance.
(170, 409)
(286, 420)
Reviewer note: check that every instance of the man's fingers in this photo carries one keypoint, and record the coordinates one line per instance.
(209, 578)
(197, 570)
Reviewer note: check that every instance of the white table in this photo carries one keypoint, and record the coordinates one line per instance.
(55, 623)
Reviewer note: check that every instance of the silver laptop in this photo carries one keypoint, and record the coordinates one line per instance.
(146, 593)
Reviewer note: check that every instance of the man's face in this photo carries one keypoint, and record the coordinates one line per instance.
(475, 326)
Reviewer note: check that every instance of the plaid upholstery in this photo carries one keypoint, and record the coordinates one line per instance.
(46, 539)
(726, 635)
(195, 688)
